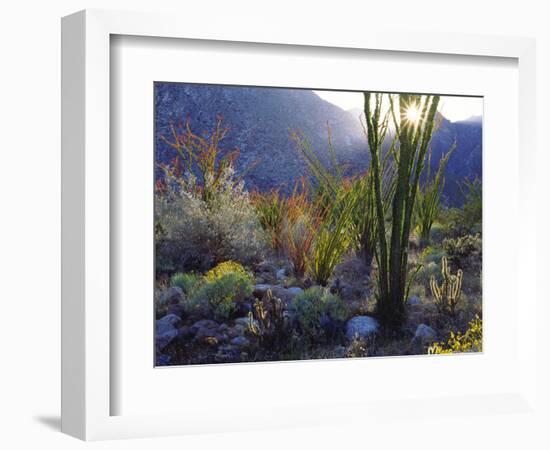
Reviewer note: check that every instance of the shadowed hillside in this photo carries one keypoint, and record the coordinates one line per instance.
(260, 120)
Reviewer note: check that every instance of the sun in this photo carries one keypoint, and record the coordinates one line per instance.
(412, 113)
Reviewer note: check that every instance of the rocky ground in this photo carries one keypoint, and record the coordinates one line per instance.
(182, 339)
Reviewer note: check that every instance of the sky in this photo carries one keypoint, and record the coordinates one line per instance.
(453, 108)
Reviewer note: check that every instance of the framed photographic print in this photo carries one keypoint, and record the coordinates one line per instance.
(322, 213)
(267, 243)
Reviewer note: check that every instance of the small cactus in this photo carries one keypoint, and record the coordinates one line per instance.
(448, 294)
(267, 322)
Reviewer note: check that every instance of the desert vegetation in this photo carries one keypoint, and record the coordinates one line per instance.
(361, 264)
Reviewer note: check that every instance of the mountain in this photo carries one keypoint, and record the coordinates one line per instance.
(260, 122)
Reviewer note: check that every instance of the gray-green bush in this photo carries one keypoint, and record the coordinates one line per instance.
(319, 314)
(193, 234)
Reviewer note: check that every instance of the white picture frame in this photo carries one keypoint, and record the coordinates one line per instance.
(86, 284)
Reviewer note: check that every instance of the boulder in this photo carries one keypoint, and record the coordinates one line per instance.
(163, 360)
(286, 295)
(228, 354)
(424, 335)
(281, 274)
(361, 327)
(205, 323)
(186, 333)
(176, 309)
(294, 291)
(211, 336)
(240, 341)
(166, 331)
(260, 290)
(237, 330)
(414, 300)
(241, 321)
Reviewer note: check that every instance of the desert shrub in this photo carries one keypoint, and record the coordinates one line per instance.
(334, 237)
(195, 234)
(470, 341)
(218, 296)
(203, 214)
(186, 281)
(227, 267)
(464, 252)
(468, 218)
(432, 255)
(437, 233)
(271, 210)
(358, 348)
(299, 228)
(319, 314)
(472, 210)
(426, 272)
(297, 241)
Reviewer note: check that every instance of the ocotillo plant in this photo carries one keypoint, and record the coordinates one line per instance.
(448, 294)
(428, 204)
(414, 131)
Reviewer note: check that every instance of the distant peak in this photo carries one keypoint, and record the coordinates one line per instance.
(472, 119)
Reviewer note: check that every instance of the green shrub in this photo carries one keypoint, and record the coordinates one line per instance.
(470, 341)
(218, 297)
(186, 281)
(437, 233)
(271, 210)
(432, 255)
(334, 237)
(466, 220)
(319, 314)
(426, 272)
(464, 252)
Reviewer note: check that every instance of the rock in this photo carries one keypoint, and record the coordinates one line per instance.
(260, 290)
(425, 334)
(237, 330)
(281, 274)
(240, 341)
(423, 337)
(241, 321)
(205, 323)
(163, 360)
(361, 326)
(177, 310)
(211, 336)
(172, 296)
(228, 354)
(286, 295)
(209, 332)
(186, 333)
(414, 301)
(295, 290)
(243, 308)
(169, 319)
(339, 352)
(166, 331)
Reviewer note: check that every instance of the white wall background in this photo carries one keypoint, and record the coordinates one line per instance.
(30, 193)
